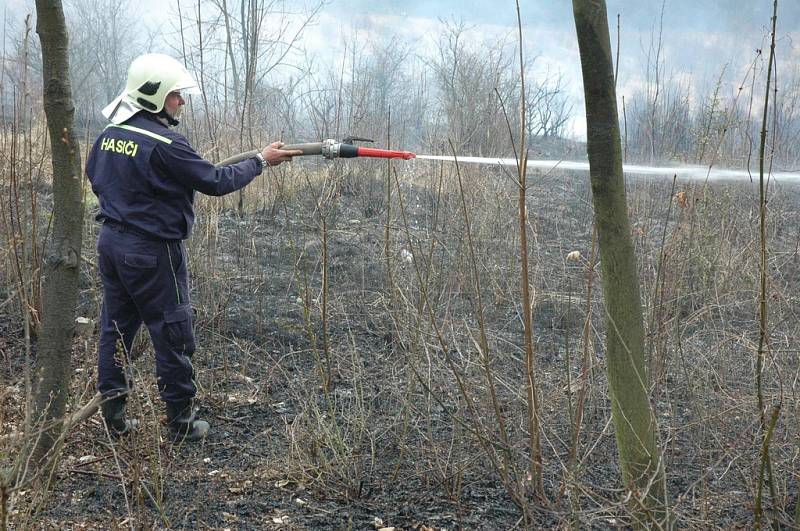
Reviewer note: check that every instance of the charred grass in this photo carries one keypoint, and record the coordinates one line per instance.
(358, 420)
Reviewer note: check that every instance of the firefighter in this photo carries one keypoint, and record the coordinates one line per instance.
(145, 176)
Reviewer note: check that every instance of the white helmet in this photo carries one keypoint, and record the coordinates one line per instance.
(150, 78)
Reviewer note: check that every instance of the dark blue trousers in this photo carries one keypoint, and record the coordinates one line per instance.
(144, 281)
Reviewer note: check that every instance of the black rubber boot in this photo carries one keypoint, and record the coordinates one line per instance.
(183, 426)
(113, 410)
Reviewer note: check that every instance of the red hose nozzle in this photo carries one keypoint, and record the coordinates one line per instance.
(385, 153)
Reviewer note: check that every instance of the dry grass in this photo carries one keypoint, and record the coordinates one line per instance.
(394, 437)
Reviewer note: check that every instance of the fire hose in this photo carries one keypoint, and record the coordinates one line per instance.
(330, 149)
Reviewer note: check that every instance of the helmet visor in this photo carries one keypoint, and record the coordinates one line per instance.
(186, 84)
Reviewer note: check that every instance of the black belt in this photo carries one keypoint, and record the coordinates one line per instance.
(125, 228)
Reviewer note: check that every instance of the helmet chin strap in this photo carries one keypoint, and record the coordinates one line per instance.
(170, 120)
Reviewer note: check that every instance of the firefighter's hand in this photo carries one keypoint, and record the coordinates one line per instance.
(274, 155)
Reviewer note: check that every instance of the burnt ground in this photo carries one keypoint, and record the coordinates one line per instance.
(393, 442)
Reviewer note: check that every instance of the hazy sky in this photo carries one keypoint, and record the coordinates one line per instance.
(700, 37)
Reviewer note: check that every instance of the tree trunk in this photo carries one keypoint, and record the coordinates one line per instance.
(634, 421)
(63, 256)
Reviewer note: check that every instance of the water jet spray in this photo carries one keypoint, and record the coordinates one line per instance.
(689, 172)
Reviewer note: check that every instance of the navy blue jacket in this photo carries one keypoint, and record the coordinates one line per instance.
(145, 176)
